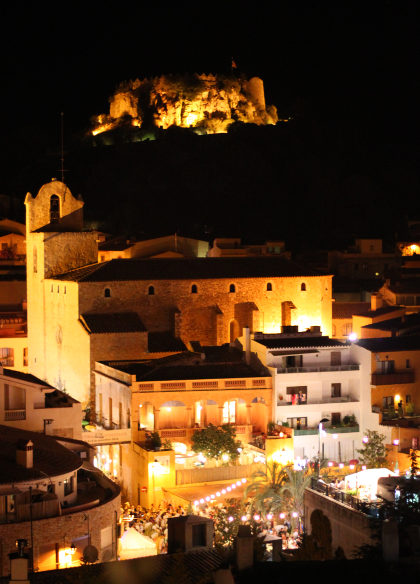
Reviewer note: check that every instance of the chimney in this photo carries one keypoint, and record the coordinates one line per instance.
(247, 345)
(25, 453)
(19, 563)
(376, 301)
(244, 548)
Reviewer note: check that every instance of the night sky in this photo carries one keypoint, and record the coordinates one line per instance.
(351, 62)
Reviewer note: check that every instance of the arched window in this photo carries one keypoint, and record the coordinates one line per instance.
(303, 287)
(151, 291)
(194, 289)
(54, 209)
(269, 286)
(107, 293)
(232, 288)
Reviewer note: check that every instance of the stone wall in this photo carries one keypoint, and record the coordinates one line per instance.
(62, 530)
(251, 303)
(350, 528)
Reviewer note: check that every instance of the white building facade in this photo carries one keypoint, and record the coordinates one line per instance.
(315, 378)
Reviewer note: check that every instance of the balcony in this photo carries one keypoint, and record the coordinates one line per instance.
(330, 430)
(321, 368)
(117, 436)
(13, 415)
(330, 400)
(406, 376)
(175, 434)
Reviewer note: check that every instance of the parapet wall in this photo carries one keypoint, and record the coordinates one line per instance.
(59, 533)
(350, 528)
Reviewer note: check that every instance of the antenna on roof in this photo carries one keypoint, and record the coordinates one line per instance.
(62, 146)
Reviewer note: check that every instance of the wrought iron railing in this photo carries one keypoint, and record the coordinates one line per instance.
(349, 367)
(345, 498)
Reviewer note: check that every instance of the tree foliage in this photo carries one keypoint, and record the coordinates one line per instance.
(264, 486)
(373, 453)
(414, 463)
(215, 441)
(293, 490)
(280, 488)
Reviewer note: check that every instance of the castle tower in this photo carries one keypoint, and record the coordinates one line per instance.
(55, 244)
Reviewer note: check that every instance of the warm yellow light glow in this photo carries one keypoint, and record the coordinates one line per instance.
(283, 457)
(273, 327)
(397, 398)
(101, 129)
(65, 557)
(179, 447)
(156, 469)
(412, 249)
(191, 120)
(303, 322)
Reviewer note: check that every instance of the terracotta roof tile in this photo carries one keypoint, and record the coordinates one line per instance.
(120, 322)
(50, 458)
(347, 309)
(402, 343)
(162, 342)
(300, 342)
(27, 377)
(187, 269)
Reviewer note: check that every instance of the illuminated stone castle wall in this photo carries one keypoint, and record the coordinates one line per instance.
(208, 103)
(208, 315)
(63, 352)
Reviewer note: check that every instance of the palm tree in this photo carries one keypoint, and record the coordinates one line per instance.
(291, 493)
(265, 486)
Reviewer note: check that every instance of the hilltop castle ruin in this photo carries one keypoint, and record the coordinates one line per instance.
(207, 103)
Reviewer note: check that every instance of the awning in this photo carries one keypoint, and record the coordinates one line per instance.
(286, 352)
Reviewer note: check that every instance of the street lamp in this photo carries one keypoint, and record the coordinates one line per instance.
(319, 442)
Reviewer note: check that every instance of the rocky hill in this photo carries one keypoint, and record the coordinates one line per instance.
(209, 104)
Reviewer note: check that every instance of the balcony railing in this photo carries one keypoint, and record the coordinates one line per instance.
(393, 378)
(349, 367)
(329, 430)
(97, 437)
(186, 433)
(12, 415)
(329, 400)
(345, 498)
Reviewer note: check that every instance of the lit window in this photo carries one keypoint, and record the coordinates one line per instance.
(68, 486)
(229, 412)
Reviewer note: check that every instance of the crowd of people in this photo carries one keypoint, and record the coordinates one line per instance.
(153, 522)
